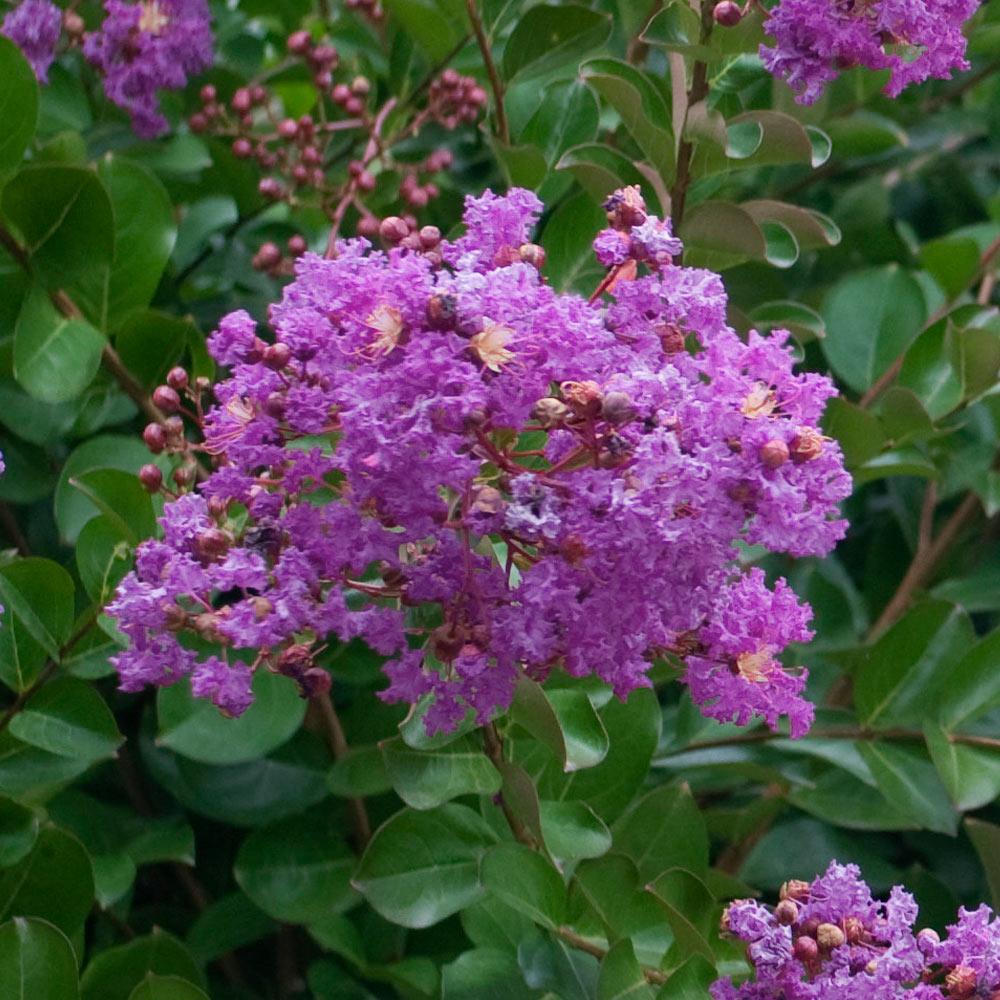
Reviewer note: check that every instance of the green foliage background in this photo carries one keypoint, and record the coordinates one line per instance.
(152, 850)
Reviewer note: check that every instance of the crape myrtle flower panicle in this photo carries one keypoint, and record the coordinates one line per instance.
(481, 477)
(34, 26)
(913, 39)
(148, 46)
(831, 940)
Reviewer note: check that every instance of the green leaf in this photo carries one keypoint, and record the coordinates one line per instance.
(103, 557)
(430, 24)
(38, 597)
(985, 839)
(526, 882)
(565, 720)
(227, 924)
(572, 830)
(622, 977)
(567, 237)
(155, 987)
(642, 109)
(841, 798)
(601, 169)
(428, 778)
(18, 106)
(359, 773)
(663, 830)
(18, 831)
(609, 889)
(122, 499)
(859, 432)
(421, 867)
(970, 774)
(144, 235)
(721, 234)
(689, 981)
(54, 882)
(690, 910)
(910, 667)
(37, 962)
(865, 133)
(953, 261)
(677, 28)
(909, 782)
(803, 323)
(484, 972)
(31, 775)
(551, 965)
(871, 318)
(115, 973)
(298, 869)
(55, 357)
(551, 36)
(150, 343)
(69, 718)
(65, 219)
(812, 230)
(973, 686)
(567, 116)
(195, 727)
(74, 509)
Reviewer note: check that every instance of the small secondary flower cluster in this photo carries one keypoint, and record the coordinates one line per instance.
(815, 39)
(478, 476)
(139, 49)
(830, 940)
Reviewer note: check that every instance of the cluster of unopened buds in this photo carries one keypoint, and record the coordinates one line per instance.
(295, 153)
(482, 478)
(829, 939)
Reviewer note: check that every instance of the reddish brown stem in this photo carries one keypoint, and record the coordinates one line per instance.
(496, 84)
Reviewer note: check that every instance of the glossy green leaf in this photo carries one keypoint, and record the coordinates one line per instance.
(985, 838)
(551, 964)
(55, 357)
(572, 830)
(298, 869)
(484, 972)
(865, 133)
(150, 343)
(565, 720)
(427, 778)
(37, 962)
(115, 973)
(549, 36)
(970, 774)
(155, 987)
(690, 910)
(360, 772)
(65, 219)
(18, 106)
(18, 831)
(871, 318)
(195, 728)
(431, 25)
(567, 116)
(102, 558)
(526, 882)
(567, 238)
(690, 980)
(973, 686)
(677, 28)
(421, 867)
(621, 976)
(803, 323)
(69, 718)
(601, 169)
(227, 924)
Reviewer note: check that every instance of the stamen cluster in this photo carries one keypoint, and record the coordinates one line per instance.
(481, 477)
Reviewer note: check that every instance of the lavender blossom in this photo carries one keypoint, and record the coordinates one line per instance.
(149, 46)
(34, 26)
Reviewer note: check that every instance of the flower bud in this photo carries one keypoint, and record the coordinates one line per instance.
(271, 188)
(73, 23)
(441, 311)
(805, 949)
(166, 399)
(314, 681)
(794, 889)
(854, 929)
(207, 94)
(786, 912)
(774, 453)
(960, 982)
(198, 123)
(533, 254)
(806, 445)
(288, 128)
(550, 412)
(488, 500)
(927, 940)
(671, 337)
(829, 936)
(174, 427)
(446, 641)
(267, 257)
(242, 148)
(727, 14)
(430, 237)
(151, 478)
(241, 101)
(182, 476)
(207, 626)
(211, 544)
(393, 229)
(155, 438)
(618, 408)
(277, 356)
(177, 378)
(274, 405)
(340, 94)
(297, 245)
(175, 617)
(584, 397)
(625, 208)
(299, 42)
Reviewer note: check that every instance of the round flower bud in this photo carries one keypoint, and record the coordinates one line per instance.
(618, 408)
(277, 356)
(774, 453)
(927, 940)
(440, 311)
(242, 148)
(288, 128)
(361, 86)
(430, 237)
(794, 889)
(207, 94)
(211, 543)
(354, 105)
(961, 982)
(182, 476)
(445, 642)
(258, 95)
(393, 229)
(727, 14)
(267, 257)
(151, 478)
(488, 500)
(367, 226)
(584, 397)
(299, 42)
(854, 929)
(550, 412)
(274, 405)
(155, 438)
(241, 102)
(73, 23)
(166, 399)
(533, 254)
(174, 427)
(365, 181)
(829, 936)
(177, 378)
(805, 949)
(786, 912)
(270, 188)
(806, 445)
(175, 617)
(197, 123)
(340, 94)
(297, 245)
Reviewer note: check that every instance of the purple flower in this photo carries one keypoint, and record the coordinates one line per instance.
(34, 26)
(378, 472)
(149, 46)
(815, 39)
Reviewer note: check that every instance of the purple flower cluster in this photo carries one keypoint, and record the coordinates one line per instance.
(479, 476)
(815, 39)
(148, 46)
(830, 940)
(34, 26)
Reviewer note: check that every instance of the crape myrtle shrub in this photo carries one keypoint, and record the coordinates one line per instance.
(499, 500)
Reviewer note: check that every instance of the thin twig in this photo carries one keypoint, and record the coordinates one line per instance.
(575, 940)
(493, 745)
(496, 84)
(337, 742)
